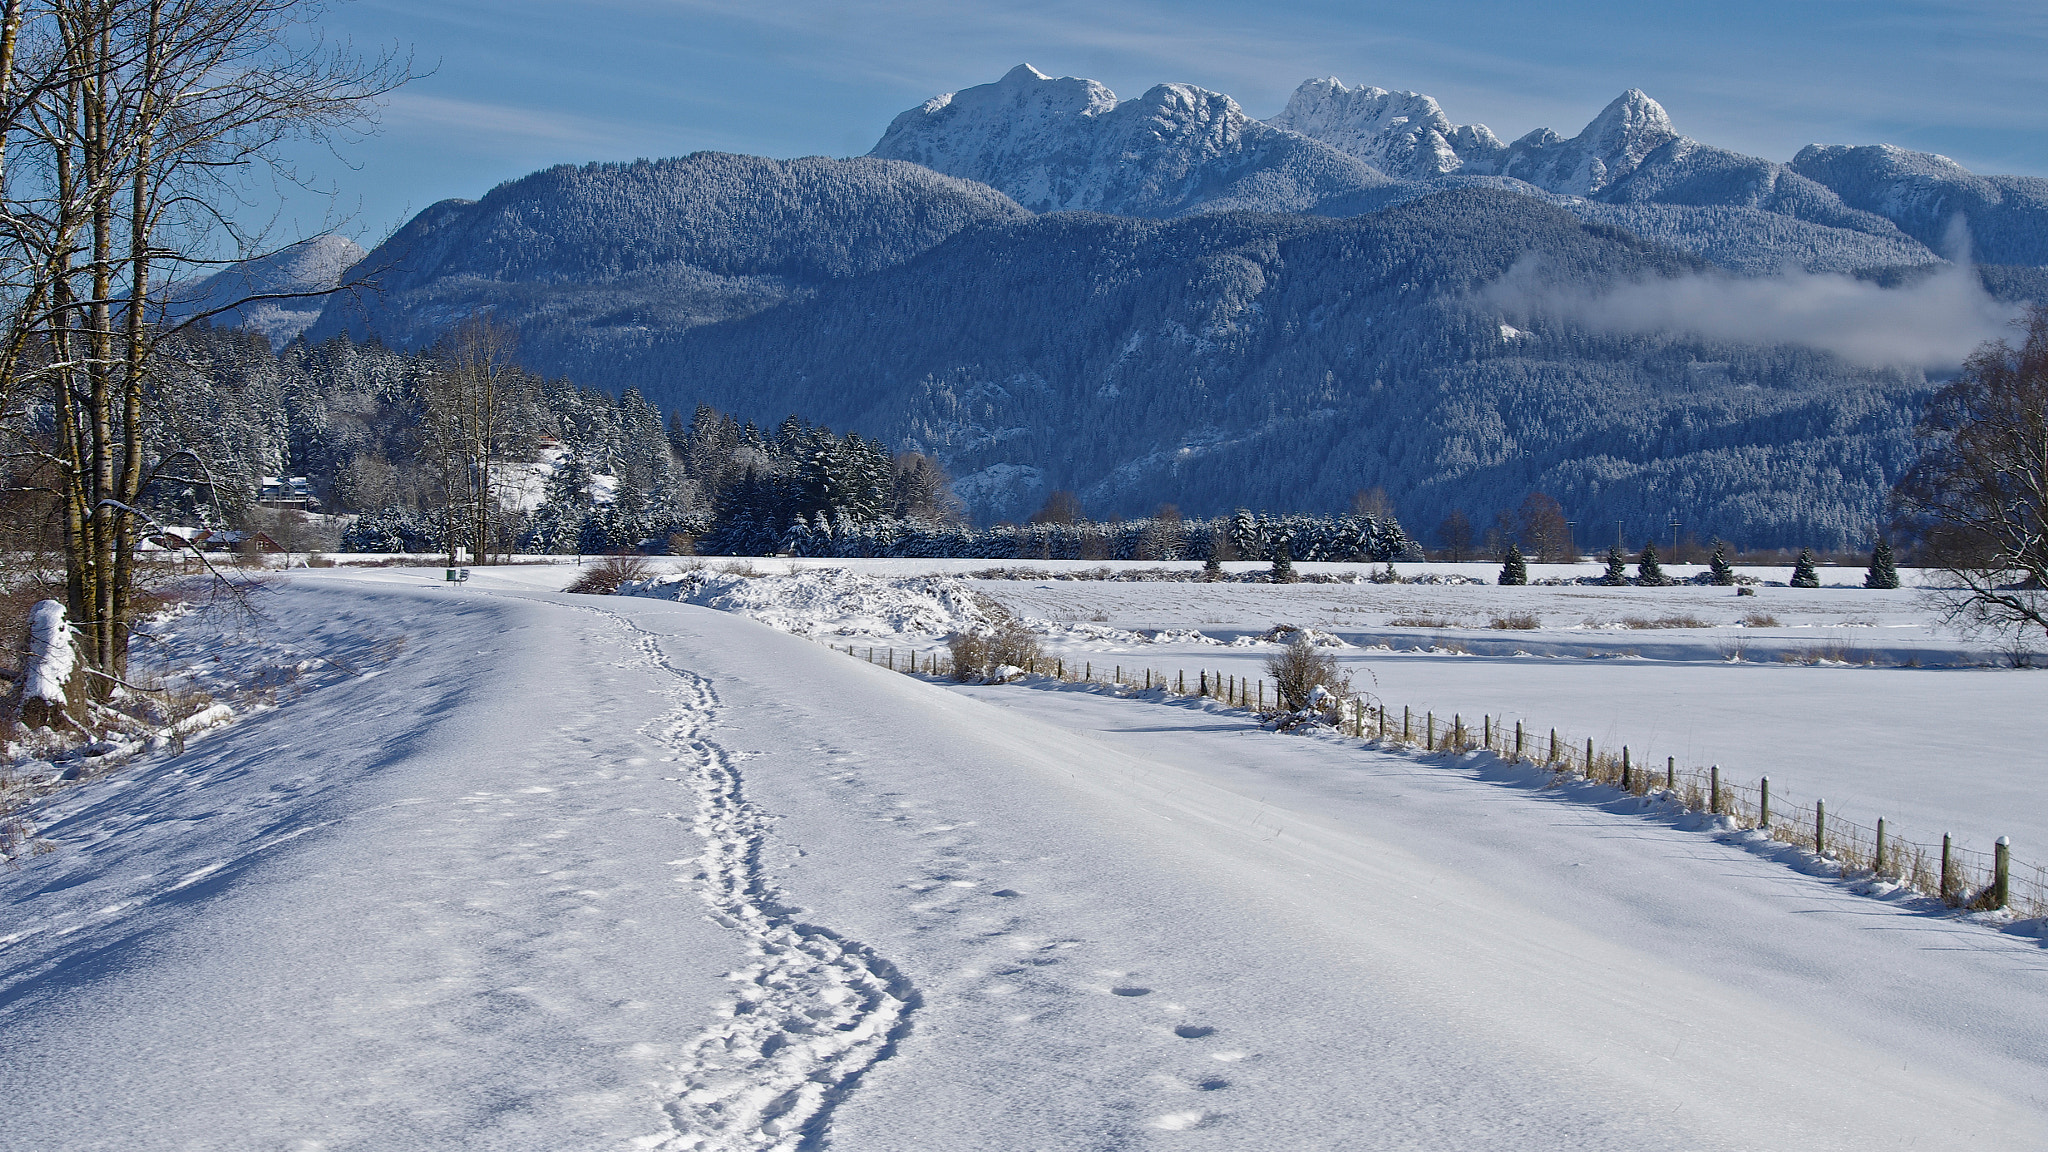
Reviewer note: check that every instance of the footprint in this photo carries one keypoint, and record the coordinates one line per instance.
(1129, 991)
(1212, 1085)
(1193, 1031)
(1005, 893)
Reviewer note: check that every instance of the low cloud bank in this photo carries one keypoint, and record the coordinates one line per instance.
(1934, 323)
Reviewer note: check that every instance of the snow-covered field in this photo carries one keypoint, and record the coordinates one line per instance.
(563, 872)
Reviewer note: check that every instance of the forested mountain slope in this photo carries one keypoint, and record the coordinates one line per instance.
(586, 262)
(1287, 361)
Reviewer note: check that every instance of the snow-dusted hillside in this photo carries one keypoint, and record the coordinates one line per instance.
(310, 266)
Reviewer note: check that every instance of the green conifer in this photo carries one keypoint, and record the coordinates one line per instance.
(1617, 569)
(1803, 573)
(1718, 568)
(1513, 568)
(1884, 573)
(1649, 573)
(1283, 563)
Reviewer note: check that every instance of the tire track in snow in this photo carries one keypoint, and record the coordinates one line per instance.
(811, 1013)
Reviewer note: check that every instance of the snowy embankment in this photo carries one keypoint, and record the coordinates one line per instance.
(606, 872)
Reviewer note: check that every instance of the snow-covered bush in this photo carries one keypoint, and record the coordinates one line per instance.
(1307, 677)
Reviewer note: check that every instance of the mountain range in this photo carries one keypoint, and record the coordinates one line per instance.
(1165, 300)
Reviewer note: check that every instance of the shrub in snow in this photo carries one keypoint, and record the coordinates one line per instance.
(1513, 568)
(1007, 651)
(1212, 568)
(607, 576)
(1307, 678)
(1804, 574)
(1884, 572)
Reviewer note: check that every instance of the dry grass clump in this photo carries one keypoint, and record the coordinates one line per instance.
(1760, 620)
(1665, 622)
(1827, 652)
(1421, 622)
(607, 576)
(1518, 622)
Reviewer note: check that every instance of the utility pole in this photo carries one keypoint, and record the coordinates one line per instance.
(1674, 536)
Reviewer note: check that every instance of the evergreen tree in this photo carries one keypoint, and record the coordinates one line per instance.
(1719, 571)
(1883, 572)
(1212, 568)
(1616, 575)
(1803, 573)
(1283, 563)
(1649, 573)
(1244, 535)
(1514, 569)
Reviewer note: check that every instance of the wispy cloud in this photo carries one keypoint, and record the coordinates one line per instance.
(418, 110)
(1934, 323)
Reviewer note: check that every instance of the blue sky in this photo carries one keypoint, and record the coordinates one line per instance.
(517, 85)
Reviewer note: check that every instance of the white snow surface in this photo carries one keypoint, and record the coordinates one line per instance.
(580, 872)
(50, 655)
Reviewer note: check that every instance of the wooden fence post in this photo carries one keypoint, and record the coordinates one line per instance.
(1518, 741)
(1714, 790)
(1820, 827)
(1589, 757)
(2001, 871)
(1383, 724)
(1625, 781)
(1429, 743)
(1671, 773)
(1947, 871)
(1553, 746)
(1404, 724)
(1486, 718)
(1763, 819)
(1877, 862)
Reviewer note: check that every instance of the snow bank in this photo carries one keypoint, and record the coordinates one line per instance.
(831, 601)
(51, 659)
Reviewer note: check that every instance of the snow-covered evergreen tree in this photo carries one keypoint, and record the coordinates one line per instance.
(1719, 571)
(1616, 575)
(1884, 572)
(1514, 568)
(1650, 573)
(1804, 574)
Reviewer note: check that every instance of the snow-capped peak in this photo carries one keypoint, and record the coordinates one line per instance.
(1400, 133)
(1609, 148)
(1067, 143)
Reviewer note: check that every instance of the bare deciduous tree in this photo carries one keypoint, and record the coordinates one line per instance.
(475, 407)
(1977, 499)
(125, 128)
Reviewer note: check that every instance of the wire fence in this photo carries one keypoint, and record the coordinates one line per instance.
(1961, 877)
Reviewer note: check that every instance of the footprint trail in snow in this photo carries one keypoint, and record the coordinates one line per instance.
(810, 1014)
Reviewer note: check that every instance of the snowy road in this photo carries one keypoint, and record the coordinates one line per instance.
(578, 873)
